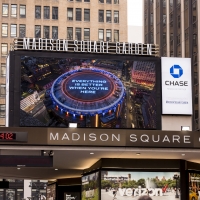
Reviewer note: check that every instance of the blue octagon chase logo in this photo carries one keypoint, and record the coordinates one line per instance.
(176, 71)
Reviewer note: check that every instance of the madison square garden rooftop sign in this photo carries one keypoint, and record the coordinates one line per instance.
(62, 45)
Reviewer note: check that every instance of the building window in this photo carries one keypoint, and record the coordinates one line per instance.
(109, 1)
(54, 12)
(46, 32)
(46, 12)
(3, 69)
(78, 34)
(2, 110)
(4, 30)
(37, 31)
(116, 35)
(101, 35)
(116, 16)
(13, 30)
(5, 10)
(13, 10)
(79, 0)
(86, 34)
(87, 15)
(54, 32)
(22, 30)
(70, 14)
(108, 35)
(2, 90)
(101, 15)
(22, 11)
(38, 12)
(70, 33)
(78, 14)
(86, 0)
(4, 49)
(108, 16)
(101, 1)
(116, 1)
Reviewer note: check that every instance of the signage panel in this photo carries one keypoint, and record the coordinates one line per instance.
(90, 186)
(10, 136)
(140, 185)
(176, 86)
(63, 45)
(92, 92)
(25, 161)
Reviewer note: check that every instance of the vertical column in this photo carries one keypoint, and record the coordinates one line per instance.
(184, 180)
(27, 189)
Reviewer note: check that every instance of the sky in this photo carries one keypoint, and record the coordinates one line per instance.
(135, 14)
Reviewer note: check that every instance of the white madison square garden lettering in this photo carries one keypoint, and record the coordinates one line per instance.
(144, 138)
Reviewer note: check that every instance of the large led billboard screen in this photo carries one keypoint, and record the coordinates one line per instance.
(90, 186)
(97, 92)
(139, 185)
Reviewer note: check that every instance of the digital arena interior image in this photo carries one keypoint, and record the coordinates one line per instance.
(104, 93)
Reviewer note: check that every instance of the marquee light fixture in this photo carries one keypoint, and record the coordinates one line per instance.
(185, 128)
(72, 125)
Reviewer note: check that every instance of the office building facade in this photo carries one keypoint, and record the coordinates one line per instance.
(173, 25)
(95, 20)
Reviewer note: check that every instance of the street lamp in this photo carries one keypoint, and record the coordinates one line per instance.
(38, 186)
(176, 177)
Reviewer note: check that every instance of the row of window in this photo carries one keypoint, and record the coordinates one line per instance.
(13, 30)
(100, 1)
(70, 15)
(13, 10)
(78, 15)
(46, 32)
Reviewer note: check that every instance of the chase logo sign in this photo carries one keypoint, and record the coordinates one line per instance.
(176, 71)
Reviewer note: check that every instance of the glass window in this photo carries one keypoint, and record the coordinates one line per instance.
(86, 0)
(46, 32)
(86, 34)
(87, 15)
(3, 69)
(10, 194)
(22, 30)
(46, 12)
(79, 0)
(69, 33)
(37, 31)
(108, 16)
(20, 194)
(116, 1)
(13, 30)
(116, 35)
(5, 10)
(108, 35)
(2, 90)
(22, 11)
(78, 14)
(101, 1)
(101, 35)
(1, 194)
(70, 14)
(54, 12)
(78, 34)
(101, 15)
(13, 10)
(4, 49)
(4, 30)
(54, 32)
(38, 12)
(116, 16)
(108, 1)
(2, 110)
